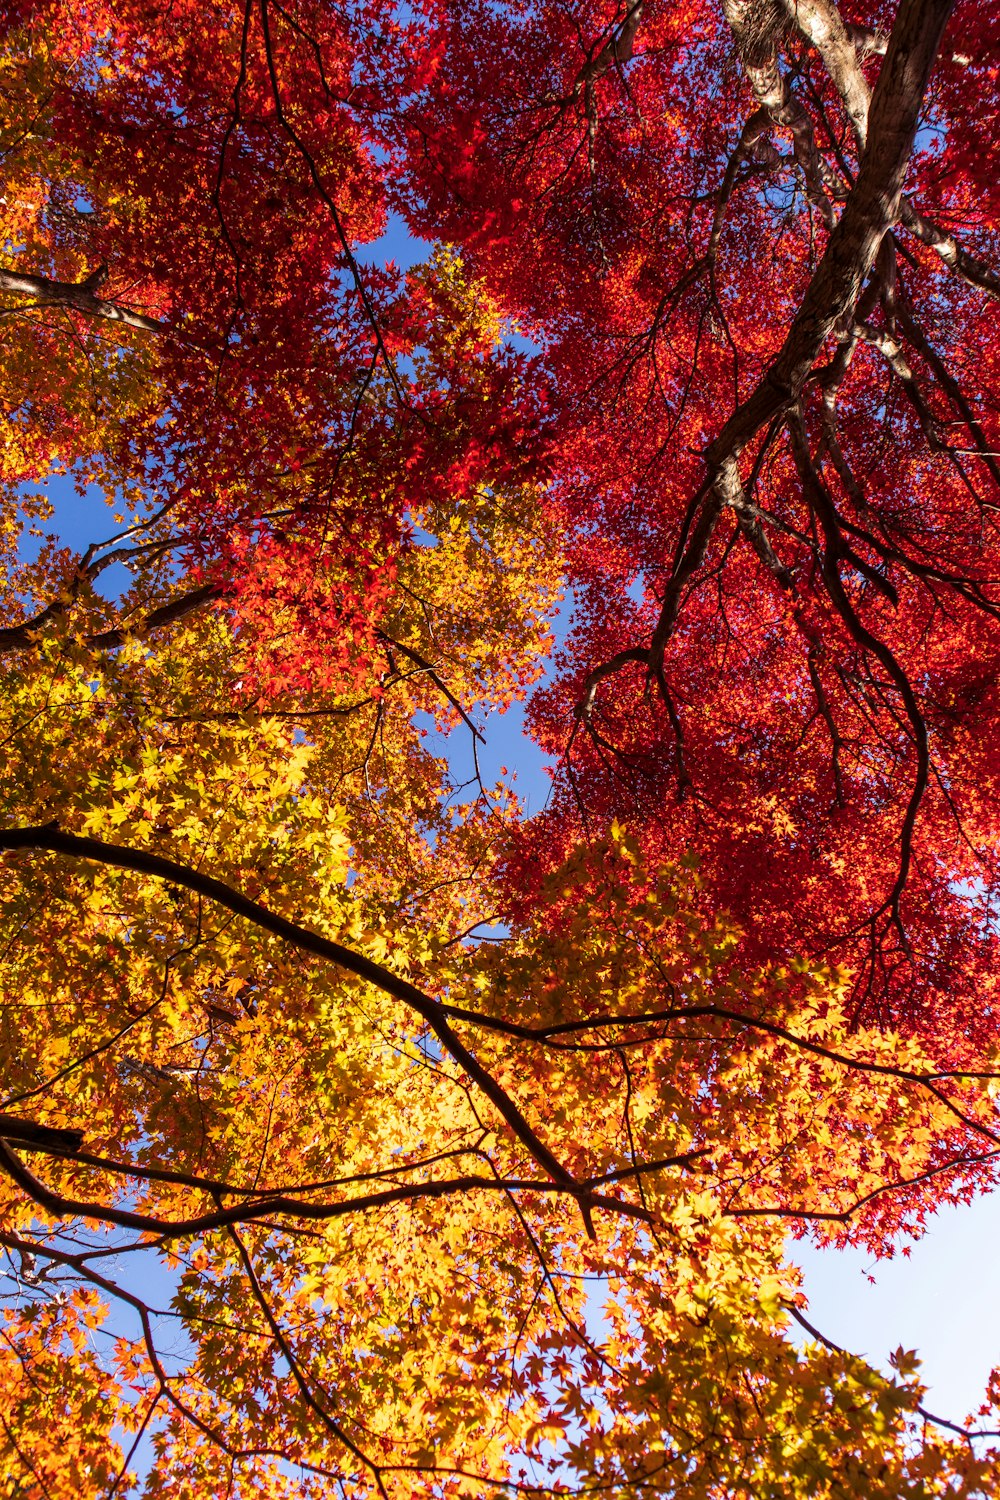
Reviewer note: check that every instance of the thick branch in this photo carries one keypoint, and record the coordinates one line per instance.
(617, 49)
(820, 23)
(78, 296)
(869, 213)
(24, 637)
(606, 669)
(756, 26)
(247, 1212)
(970, 268)
(33, 1137)
(141, 861)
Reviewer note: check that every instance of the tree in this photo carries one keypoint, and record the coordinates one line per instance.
(768, 357)
(252, 1031)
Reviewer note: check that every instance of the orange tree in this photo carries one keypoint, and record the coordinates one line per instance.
(434, 1214)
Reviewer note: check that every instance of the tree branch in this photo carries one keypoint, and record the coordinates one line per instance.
(24, 637)
(51, 838)
(81, 297)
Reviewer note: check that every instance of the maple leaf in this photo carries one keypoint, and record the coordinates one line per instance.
(746, 980)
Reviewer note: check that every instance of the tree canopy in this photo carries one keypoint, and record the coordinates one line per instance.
(361, 1134)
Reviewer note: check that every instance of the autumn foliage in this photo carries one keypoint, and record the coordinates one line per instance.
(366, 1132)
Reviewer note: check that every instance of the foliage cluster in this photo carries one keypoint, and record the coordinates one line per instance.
(362, 1135)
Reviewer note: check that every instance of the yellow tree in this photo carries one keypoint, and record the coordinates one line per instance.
(391, 1175)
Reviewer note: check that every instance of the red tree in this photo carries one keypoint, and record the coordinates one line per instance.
(758, 244)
